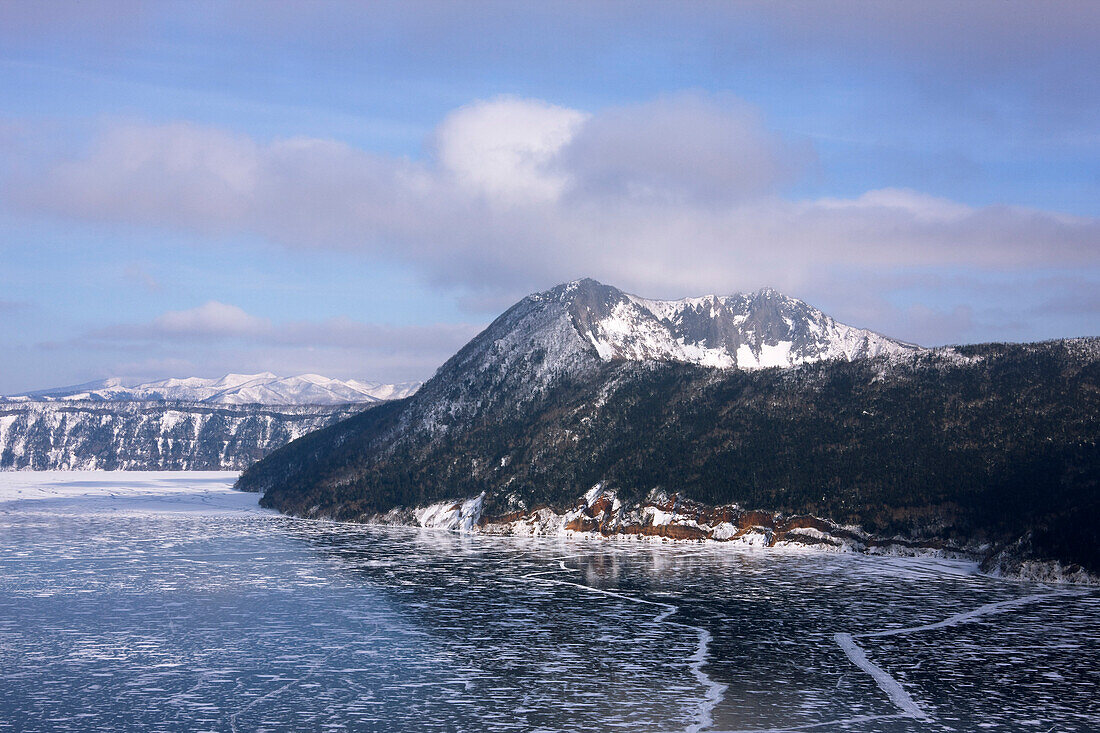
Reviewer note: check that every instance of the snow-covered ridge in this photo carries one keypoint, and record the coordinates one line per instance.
(744, 331)
(232, 389)
(178, 436)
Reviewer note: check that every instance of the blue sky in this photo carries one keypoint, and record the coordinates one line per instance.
(354, 190)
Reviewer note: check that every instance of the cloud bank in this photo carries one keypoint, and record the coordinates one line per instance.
(217, 337)
(680, 194)
(214, 321)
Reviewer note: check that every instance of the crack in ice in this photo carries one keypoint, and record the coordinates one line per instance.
(882, 678)
(972, 615)
(714, 690)
(886, 682)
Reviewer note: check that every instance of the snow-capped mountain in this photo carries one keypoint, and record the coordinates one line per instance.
(746, 330)
(584, 408)
(572, 329)
(585, 333)
(663, 417)
(232, 389)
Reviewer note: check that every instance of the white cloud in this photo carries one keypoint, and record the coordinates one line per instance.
(214, 321)
(684, 147)
(176, 173)
(505, 148)
(209, 319)
(676, 196)
(918, 206)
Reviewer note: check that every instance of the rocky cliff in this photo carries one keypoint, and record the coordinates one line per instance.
(157, 435)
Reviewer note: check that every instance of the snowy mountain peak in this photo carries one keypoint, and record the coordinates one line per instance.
(746, 331)
(234, 389)
(570, 331)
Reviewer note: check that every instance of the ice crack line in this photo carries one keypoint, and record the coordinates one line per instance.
(891, 686)
(973, 615)
(886, 683)
(312, 670)
(714, 690)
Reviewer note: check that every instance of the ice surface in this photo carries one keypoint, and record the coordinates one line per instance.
(167, 601)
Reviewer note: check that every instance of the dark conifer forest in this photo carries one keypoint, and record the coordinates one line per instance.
(986, 444)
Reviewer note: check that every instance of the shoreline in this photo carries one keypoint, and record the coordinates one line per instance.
(599, 515)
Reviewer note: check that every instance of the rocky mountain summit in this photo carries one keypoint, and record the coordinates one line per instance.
(746, 331)
(665, 410)
(568, 330)
(574, 331)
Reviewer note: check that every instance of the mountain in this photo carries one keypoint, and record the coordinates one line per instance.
(587, 409)
(747, 331)
(167, 436)
(574, 326)
(571, 331)
(176, 424)
(232, 389)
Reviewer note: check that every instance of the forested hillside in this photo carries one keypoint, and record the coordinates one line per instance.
(976, 444)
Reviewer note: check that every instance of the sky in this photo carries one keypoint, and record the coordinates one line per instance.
(356, 189)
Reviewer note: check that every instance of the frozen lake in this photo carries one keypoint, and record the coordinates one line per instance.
(167, 601)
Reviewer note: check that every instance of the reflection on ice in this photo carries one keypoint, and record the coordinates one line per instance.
(169, 602)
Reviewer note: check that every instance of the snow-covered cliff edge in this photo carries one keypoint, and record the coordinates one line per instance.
(74, 435)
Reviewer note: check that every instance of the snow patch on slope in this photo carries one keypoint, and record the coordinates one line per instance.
(455, 516)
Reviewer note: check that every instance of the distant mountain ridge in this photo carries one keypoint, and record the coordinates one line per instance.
(69, 435)
(232, 389)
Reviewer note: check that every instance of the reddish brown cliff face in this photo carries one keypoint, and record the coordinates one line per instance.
(671, 531)
(675, 518)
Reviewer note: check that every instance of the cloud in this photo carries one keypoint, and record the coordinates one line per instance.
(176, 174)
(683, 147)
(216, 336)
(1070, 297)
(674, 196)
(80, 24)
(972, 39)
(504, 148)
(210, 319)
(214, 322)
(935, 306)
(948, 42)
(686, 147)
